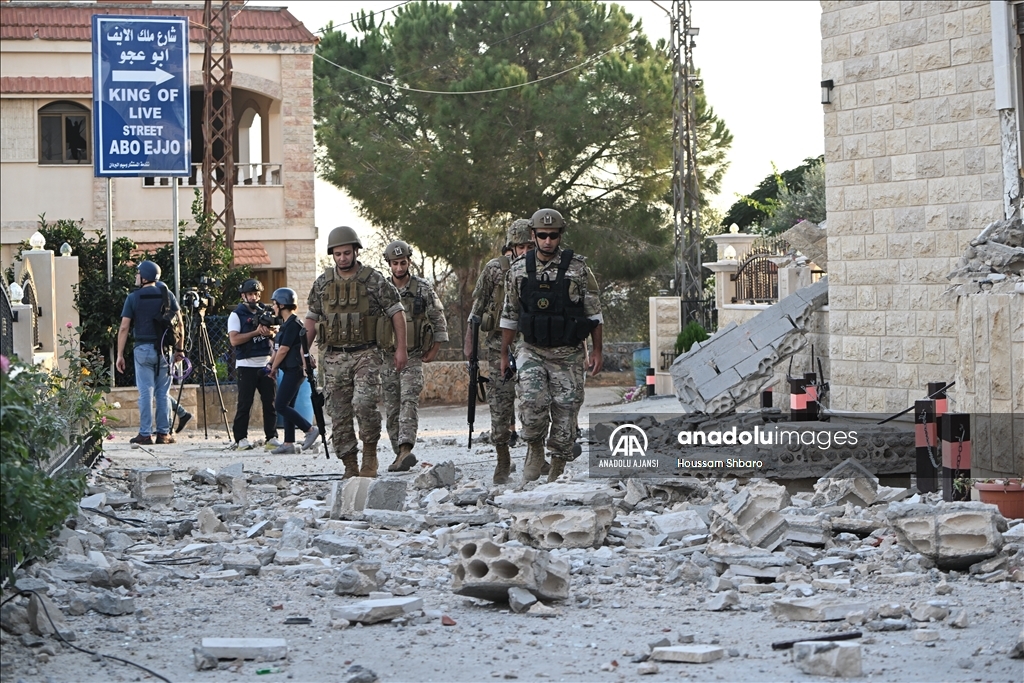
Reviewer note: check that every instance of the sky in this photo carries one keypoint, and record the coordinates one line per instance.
(761, 65)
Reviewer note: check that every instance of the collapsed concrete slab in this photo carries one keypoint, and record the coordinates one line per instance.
(739, 360)
(952, 535)
(848, 481)
(811, 240)
(487, 570)
(373, 611)
(352, 496)
(828, 659)
(265, 649)
(751, 517)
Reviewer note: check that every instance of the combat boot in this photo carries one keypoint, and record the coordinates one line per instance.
(351, 462)
(557, 467)
(369, 468)
(404, 460)
(504, 466)
(534, 461)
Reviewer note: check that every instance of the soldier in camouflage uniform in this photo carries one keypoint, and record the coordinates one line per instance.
(351, 307)
(551, 297)
(488, 298)
(425, 328)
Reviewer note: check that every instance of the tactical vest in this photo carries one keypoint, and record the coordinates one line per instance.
(489, 321)
(247, 323)
(419, 333)
(547, 315)
(346, 306)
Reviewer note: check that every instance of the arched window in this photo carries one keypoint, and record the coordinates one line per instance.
(64, 134)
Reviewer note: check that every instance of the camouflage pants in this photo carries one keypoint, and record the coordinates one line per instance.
(352, 386)
(551, 393)
(402, 399)
(501, 399)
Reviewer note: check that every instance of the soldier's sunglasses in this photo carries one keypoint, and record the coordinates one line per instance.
(547, 235)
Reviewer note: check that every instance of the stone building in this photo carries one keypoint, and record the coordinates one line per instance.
(46, 155)
(922, 151)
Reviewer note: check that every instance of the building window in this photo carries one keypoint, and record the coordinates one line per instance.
(64, 134)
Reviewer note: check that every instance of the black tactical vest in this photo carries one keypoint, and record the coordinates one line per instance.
(256, 347)
(547, 316)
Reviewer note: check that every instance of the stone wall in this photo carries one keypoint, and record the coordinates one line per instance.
(913, 172)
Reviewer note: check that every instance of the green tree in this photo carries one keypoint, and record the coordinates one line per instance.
(750, 212)
(577, 115)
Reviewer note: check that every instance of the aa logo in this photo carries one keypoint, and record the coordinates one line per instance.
(625, 441)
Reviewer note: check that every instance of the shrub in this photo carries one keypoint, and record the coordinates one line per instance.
(693, 332)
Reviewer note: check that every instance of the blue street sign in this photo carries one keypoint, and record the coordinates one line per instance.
(140, 96)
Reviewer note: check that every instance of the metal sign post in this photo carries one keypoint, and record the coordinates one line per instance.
(140, 102)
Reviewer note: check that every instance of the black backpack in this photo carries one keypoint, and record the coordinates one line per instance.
(170, 327)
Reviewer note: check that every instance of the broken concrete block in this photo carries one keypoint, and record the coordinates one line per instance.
(41, 610)
(209, 523)
(14, 619)
(849, 481)
(441, 474)
(925, 635)
(487, 570)
(264, 649)
(245, 563)
(392, 519)
(929, 611)
(952, 535)
(1017, 651)
(332, 545)
(722, 601)
(520, 599)
(203, 659)
(959, 620)
(223, 575)
(353, 582)
(113, 605)
(373, 611)
(675, 525)
(564, 527)
(751, 516)
(828, 659)
(692, 654)
(636, 491)
(815, 609)
(349, 497)
(152, 485)
(555, 495)
(257, 529)
(386, 494)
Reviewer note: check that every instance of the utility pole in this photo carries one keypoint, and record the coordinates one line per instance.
(689, 281)
(218, 118)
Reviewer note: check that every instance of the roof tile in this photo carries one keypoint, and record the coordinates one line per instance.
(46, 85)
(247, 253)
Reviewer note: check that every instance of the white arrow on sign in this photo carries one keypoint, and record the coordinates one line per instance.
(157, 76)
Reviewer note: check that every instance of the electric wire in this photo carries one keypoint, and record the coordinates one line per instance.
(91, 653)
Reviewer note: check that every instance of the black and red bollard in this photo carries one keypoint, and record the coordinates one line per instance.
(937, 392)
(766, 398)
(955, 441)
(927, 442)
(650, 381)
(811, 387)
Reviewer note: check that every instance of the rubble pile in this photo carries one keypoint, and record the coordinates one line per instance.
(994, 257)
(384, 551)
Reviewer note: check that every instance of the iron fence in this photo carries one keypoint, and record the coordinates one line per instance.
(6, 324)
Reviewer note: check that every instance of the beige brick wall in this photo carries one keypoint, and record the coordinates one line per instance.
(913, 170)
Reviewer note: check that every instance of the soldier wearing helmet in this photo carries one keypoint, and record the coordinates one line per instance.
(552, 299)
(426, 328)
(353, 310)
(488, 298)
(252, 343)
(288, 358)
(140, 313)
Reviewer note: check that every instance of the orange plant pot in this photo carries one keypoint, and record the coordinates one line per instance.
(1008, 497)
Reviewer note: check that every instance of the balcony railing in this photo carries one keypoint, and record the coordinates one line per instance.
(268, 175)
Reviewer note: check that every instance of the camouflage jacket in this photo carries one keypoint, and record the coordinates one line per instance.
(435, 312)
(383, 296)
(485, 293)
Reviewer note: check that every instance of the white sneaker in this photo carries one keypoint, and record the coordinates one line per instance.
(272, 443)
(242, 445)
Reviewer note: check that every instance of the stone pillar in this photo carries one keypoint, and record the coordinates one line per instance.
(724, 286)
(66, 278)
(793, 278)
(665, 326)
(22, 331)
(41, 262)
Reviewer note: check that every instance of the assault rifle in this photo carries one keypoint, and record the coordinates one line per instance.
(315, 395)
(476, 382)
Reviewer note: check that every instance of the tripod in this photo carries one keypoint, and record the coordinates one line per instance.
(198, 334)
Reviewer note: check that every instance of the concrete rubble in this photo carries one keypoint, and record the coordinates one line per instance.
(850, 553)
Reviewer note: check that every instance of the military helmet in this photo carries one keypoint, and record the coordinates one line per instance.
(149, 271)
(341, 236)
(284, 296)
(518, 233)
(547, 218)
(396, 250)
(250, 285)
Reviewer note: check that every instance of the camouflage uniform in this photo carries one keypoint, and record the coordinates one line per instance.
(402, 389)
(551, 379)
(501, 395)
(352, 379)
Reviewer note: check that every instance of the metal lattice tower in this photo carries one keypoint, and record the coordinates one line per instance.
(218, 118)
(689, 282)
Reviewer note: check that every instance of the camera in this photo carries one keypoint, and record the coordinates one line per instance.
(199, 298)
(265, 316)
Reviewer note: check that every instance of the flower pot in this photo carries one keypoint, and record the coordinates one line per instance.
(1008, 496)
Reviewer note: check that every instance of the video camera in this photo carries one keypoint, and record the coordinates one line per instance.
(265, 316)
(200, 298)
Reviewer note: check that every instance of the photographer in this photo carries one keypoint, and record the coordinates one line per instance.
(250, 331)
